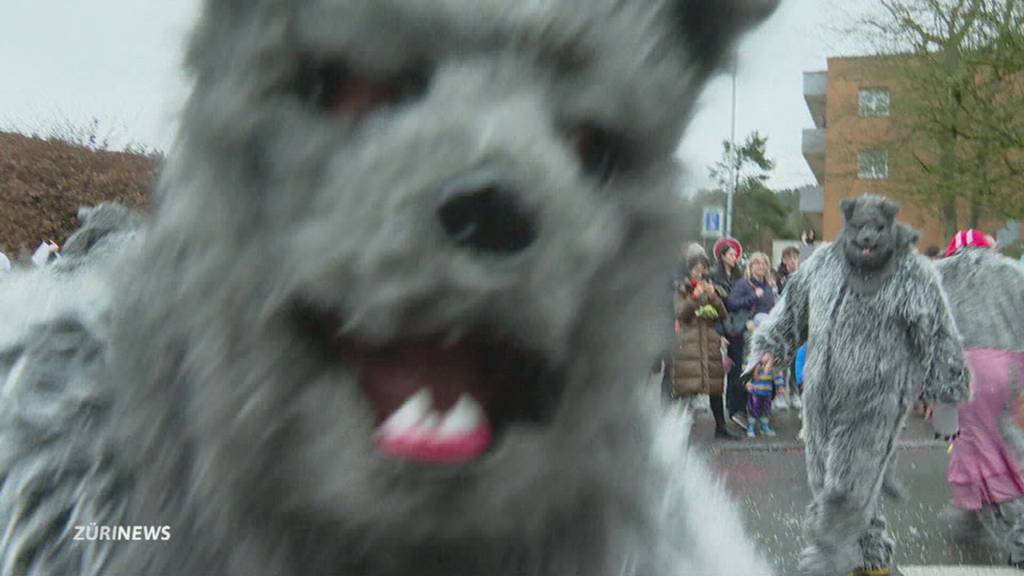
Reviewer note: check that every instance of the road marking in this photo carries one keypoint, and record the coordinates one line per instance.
(958, 571)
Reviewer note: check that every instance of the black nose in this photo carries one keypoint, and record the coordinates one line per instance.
(480, 214)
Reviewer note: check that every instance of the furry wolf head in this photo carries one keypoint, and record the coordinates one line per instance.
(398, 287)
(871, 234)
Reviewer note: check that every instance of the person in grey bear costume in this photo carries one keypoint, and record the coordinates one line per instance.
(392, 312)
(986, 294)
(879, 333)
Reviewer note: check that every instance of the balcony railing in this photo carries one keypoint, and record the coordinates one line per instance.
(814, 151)
(815, 94)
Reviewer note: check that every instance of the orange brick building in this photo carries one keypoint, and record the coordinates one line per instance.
(854, 139)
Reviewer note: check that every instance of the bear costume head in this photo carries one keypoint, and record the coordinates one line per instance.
(393, 306)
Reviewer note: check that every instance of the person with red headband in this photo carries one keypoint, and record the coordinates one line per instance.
(728, 272)
(969, 239)
(984, 473)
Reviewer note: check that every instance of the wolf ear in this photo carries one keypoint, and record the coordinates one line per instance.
(905, 235)
(709, 27)
(889, 209)
(848, 205)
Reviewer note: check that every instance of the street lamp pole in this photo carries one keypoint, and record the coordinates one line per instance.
(733, 160)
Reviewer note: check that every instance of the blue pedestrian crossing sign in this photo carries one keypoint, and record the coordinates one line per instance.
(713, 222)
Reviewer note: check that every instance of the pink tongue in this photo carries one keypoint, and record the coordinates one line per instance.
(427, 397)
(430, 447)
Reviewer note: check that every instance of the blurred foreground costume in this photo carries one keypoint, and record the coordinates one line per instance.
(879, 332)
(391, 313)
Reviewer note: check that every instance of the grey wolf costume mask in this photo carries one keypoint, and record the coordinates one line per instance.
(392, 310)
(870, 238)
(879, 334)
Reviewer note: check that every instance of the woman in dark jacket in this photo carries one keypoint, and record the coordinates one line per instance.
(752, 295)
(788, 266)
(728, 252)
(697, 358)
(727, 273)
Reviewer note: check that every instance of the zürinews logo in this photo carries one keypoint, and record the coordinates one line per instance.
(93, 532)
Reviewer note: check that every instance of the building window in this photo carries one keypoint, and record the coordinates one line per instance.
(873, 102)
(873, 165)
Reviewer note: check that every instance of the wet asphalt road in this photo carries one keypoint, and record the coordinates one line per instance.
(767, 478)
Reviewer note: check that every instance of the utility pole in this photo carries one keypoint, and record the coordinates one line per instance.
(733, 160)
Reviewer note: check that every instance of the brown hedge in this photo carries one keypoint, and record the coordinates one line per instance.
(43, 183)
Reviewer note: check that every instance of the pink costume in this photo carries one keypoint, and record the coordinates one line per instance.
(983, 470)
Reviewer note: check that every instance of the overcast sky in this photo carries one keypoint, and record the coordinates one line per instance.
(118, 61)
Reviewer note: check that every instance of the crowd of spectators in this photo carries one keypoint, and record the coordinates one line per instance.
(717, 305)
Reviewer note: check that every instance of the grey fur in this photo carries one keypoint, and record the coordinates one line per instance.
(56, 448)
(1003, 524)
(104, 229)
(874, 343)
(986, 294)
(201, 404)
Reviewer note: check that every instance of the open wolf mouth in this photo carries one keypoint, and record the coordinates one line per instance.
(437, 398)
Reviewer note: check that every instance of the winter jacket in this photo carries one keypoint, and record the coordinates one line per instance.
(781, 277)
(723, 281)
(743, 297)
(678, 277)
(697, 358)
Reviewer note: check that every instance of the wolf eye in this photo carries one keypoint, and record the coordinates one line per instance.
(599, 150)
(336, 88)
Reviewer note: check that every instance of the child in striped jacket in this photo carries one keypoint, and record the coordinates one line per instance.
(767, 381)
